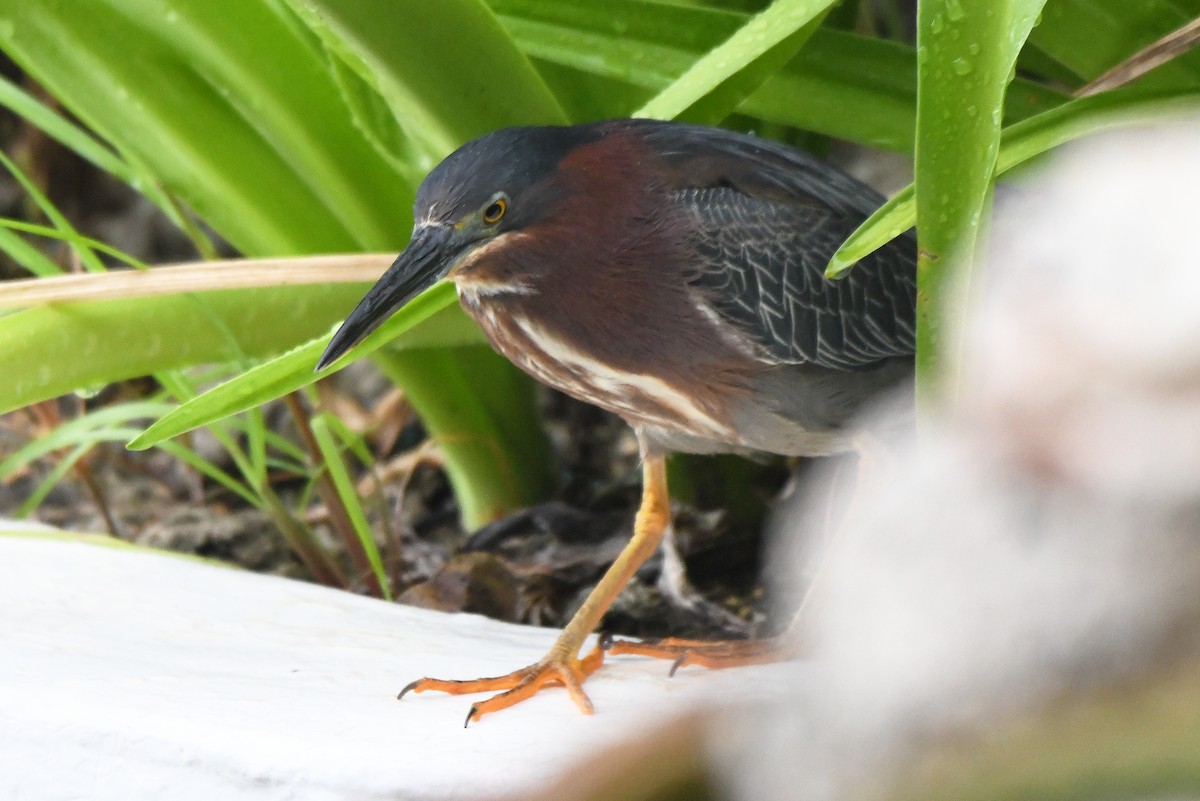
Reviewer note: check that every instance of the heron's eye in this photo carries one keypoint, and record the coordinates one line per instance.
(494, 212)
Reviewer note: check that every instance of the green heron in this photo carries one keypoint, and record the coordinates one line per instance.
(671, 274)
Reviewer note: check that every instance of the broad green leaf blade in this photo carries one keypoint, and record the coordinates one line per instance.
(495, 454)
(95, 342)
(839, 84)
(53, 350)
(286, 373)
(1020, 143)
(890, 220)
(448, 70)
(966, 55)
(1090, 115)
(378, 123)
(720, 80)
(227, 107)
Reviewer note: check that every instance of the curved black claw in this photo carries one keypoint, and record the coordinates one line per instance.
(606, 640)
(678, 663)
(408, 687)
(470, 714)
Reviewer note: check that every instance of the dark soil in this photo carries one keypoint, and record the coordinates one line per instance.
(534, 566)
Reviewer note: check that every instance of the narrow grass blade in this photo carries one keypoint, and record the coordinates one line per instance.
(1021, 142)
(345, 489)
(26, 255)
(496, 455)
(61, 467)
(83, 144)
(89, 259)
(720, 80)
(210, 470)
(87, 429)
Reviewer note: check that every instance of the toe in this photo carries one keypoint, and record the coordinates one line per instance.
(534, 679)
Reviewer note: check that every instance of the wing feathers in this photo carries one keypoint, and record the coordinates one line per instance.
(759, 264)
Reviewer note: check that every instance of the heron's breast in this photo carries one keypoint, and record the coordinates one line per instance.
(641, 399)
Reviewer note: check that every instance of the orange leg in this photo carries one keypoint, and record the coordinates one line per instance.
(711, 654)
(731, 653)
(562, 665)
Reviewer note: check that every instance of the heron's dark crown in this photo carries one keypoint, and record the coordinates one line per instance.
(511, 160)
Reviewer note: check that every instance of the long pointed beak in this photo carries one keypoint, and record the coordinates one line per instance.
(422, 264)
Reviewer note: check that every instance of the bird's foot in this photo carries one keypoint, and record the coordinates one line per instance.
(712, 654)
(554, 669)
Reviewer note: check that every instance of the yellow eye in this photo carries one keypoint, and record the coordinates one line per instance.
(494, 212)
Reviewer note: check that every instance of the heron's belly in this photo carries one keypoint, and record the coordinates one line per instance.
(642, 400)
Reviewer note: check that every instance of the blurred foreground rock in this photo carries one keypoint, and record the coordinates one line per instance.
(1032, 568)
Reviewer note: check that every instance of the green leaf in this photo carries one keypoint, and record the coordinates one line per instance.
(25, 254)
(207, 468)
(75, 138)
(424, 58)
(51, 350)
(87, 258)
(286, 373)
(495, 453)
(966, 56)
(1021, 142)
(720, 80)
(345, 489)
(227, 107)
(606, 56)
(377, 122)
(93, 427)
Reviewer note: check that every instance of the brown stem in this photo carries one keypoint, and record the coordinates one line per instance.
(84, 474)
(339, 518)
(1172, 45)
(315, 558)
